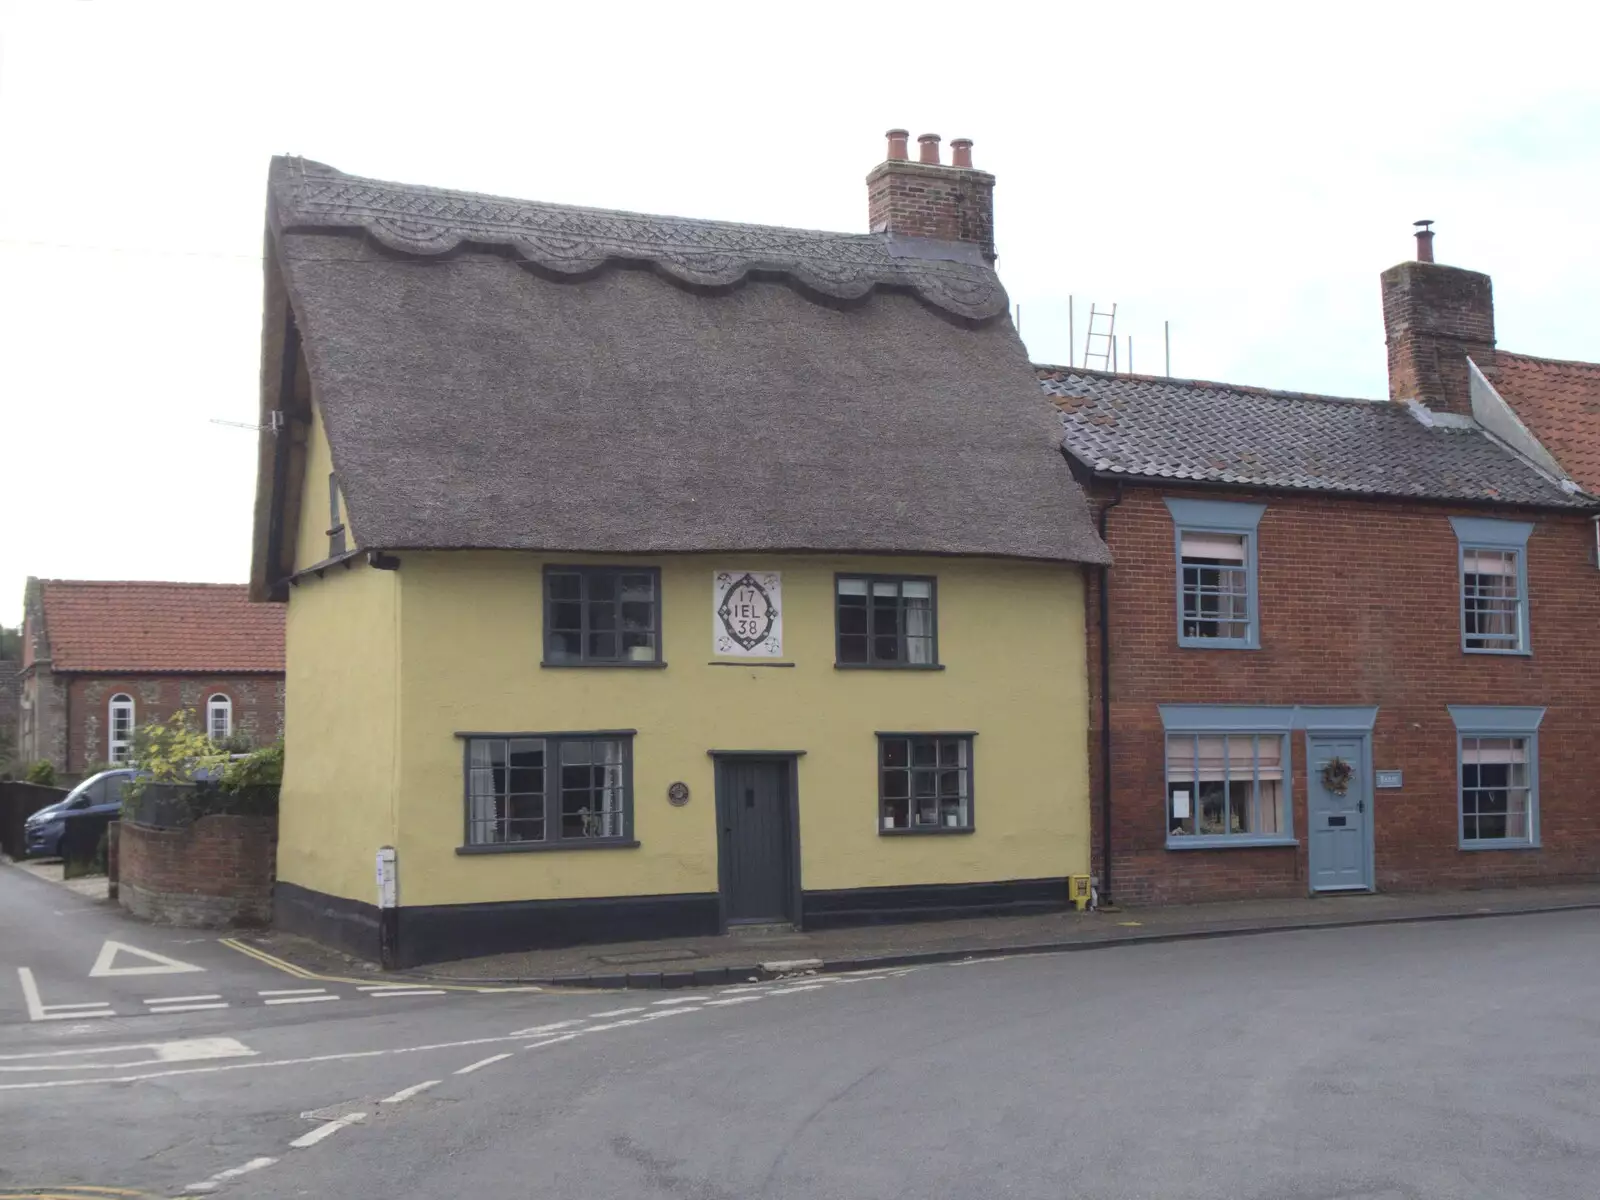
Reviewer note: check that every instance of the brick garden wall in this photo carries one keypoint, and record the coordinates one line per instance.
(1359, 605)
(214, 873)
(257, 707)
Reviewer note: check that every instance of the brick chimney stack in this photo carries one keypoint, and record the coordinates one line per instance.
(1434, 319)
(926, 199)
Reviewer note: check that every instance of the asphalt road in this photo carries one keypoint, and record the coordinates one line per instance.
(1457, 1059)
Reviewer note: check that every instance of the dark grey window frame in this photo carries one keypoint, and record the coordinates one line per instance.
(933, 618)
(552, 796)
(586, 570)
(967, 735)
(336, 538)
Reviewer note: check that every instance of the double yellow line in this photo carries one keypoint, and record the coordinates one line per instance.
(289, 968)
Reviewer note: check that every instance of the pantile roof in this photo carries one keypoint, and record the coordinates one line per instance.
(210, 628)
(1559, 402)
(1158, 428)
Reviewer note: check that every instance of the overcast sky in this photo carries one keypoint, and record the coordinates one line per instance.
(1242, 172)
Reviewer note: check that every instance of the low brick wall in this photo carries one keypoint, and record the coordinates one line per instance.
(216, 872)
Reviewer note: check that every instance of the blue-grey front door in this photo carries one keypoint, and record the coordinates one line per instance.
(1339, 859)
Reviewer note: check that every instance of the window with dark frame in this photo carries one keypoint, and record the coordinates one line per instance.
(602, 615)
(884, 621)
(548, 790)
(925, 782)
(336, 539)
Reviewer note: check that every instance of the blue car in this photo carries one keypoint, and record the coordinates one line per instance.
(100, 793)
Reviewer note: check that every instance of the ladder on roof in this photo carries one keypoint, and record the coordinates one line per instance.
(1106, 334)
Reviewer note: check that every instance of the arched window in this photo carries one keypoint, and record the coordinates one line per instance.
(219, 717)
(119, 728)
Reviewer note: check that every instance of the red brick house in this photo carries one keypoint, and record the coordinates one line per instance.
(99, 659)
(1347, 642)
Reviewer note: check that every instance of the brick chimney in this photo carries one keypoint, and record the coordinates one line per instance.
(1435, 318)
(926, 199)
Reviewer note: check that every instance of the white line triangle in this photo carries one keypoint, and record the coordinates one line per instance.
(160, 963)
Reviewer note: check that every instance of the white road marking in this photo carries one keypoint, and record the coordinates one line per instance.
(184, 999)
(222, 1177)
(188, 1050)
(565, 1037)
(535, 1030)
(526, 988)
(327, 1129)
(162, 965)
(291, 991)
(758, 987)
(177, 1008)
(302, 999)
(614, 1025)
(614, 1012)
(675, 1000)
(400, 995)
(404, 1094)
(732, 1000)
(481, 1063)
(38, 1010)
(275, 1062)
(789, 991)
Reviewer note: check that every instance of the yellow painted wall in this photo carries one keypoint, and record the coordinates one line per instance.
(340, 708)
(1010, 636)
(311, 533)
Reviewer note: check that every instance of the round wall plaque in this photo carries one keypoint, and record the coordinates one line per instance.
(678, 794)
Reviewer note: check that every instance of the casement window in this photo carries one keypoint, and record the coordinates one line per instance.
(602, 616)
(1498, 755)
(885, 621)
(219, 717)
(1228, 775)
(925, 782)
(549, 791)
(1216, 573)
(1494, 584)
(336, 538)
(119, 728)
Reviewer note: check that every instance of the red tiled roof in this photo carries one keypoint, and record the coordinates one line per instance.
(160, 627)
(1560, 403)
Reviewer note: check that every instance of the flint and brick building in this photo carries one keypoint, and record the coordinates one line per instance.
(101, 658)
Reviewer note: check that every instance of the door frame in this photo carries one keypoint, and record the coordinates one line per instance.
(1365, 774)
(790, 759)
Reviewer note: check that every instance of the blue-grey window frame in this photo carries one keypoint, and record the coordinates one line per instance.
(1237, 720)
(587, 571)
(1503, 721)
(1234, 517)
(1488, 533)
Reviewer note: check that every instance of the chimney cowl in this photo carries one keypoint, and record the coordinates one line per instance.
(928, 148)
(1424, 241)
(961, 153)
(897, 144)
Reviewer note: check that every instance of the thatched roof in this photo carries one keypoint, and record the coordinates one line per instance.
(502, 374)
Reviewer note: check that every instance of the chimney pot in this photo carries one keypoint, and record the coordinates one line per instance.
(961, 153)
(928, 146)
(897, 144)
(1424, 241)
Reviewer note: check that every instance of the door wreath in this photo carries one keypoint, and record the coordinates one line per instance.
(1336, 775)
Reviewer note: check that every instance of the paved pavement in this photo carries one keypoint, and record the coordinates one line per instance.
(685, 962)
(1454, 1059)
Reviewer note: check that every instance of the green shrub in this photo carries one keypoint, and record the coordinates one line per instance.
(171, 751)
(96, 768)
(261, 768)
(42, 772)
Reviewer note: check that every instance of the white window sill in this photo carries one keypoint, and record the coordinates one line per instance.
(1508, 844)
